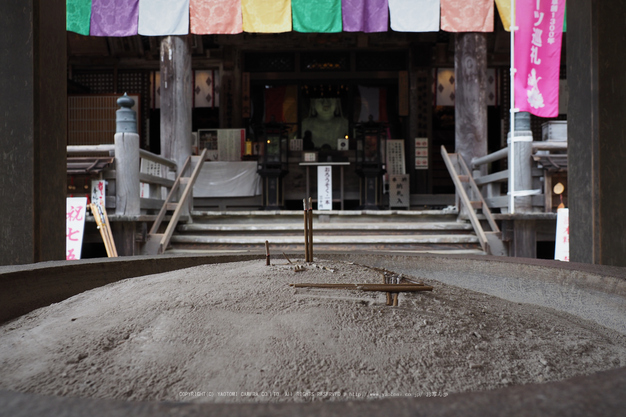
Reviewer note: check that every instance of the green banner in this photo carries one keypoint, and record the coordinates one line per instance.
(320, 16)
(78, 16)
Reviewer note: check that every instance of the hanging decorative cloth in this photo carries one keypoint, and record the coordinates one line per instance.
(114, 17)
(319, 16)
(208, 17)
(163, 17)
(414, 15)
(467, 15)
(504, 9)
(266, 16)
(365, 15)
(78, 14)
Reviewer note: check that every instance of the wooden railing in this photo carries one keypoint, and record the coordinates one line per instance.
(491, 183)
(158, 184)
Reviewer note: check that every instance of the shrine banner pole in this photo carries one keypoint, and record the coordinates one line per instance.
(513, 111)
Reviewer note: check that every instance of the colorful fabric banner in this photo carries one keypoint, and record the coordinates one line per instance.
(77, 16)
(208, 17)
(504, 9)
(365, 15)
(414, 15)
(266, 16)
(114, 17)
(319, 16)
(538, 56)
(467, 15)
(163, 17)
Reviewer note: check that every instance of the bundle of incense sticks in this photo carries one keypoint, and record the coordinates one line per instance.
(308, 230)
(369, 287)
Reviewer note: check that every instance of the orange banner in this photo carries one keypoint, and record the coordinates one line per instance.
(467, 15)
(208, 17)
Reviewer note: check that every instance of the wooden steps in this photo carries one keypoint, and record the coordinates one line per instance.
(380, 231)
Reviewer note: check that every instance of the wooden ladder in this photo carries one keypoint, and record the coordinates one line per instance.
(157, 242)
(490, 241)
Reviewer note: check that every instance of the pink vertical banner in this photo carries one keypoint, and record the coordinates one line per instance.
(538, 56)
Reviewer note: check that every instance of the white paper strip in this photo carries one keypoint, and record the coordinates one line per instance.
(324, 187)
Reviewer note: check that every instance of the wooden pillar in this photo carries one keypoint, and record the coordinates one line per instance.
(596, 131)
(127, 174)
(524, 244)
(470, 75)
(176, 99)
(33, 130)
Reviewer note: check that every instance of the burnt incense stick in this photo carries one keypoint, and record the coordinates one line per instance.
(306, 231)
(310, 212)
(267, 253)
(288, 260)
(384, 282)
(368, 287)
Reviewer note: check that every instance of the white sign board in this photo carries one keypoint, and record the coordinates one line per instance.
(98, 192)
(399, 191)
(395, 157)
(74, 226)
(324, 187)
(421, 153)
(561, 247)
(150, 168)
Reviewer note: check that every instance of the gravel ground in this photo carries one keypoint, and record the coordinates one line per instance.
(238, 332)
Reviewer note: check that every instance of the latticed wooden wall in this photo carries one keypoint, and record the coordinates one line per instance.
(91, 117)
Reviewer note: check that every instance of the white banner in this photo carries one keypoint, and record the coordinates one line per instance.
(324, 187)
(399, 191)
(561, 247)
(414, 15)
(98, 192)
(163, 17)
(74, 226)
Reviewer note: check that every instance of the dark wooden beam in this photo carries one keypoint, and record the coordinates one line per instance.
(596, 131)
(33, 130)
(176, 99)
(470, 73)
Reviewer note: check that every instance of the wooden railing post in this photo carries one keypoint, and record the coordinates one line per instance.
(126, 160)
(521, 146)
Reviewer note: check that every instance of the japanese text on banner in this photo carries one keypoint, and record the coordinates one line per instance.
(538, 56)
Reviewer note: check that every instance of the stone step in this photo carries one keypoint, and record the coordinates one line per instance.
(298, 253)
(379, 227)
(423, 231)
(333, 247)
(330, 216)
(334, 240)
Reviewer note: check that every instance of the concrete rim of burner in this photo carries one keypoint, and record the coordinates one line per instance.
(546, 283)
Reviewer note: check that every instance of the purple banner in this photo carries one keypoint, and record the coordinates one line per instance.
(538, 56)
(365, 15)
(114, 17)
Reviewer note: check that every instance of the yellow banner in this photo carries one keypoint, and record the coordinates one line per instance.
(266, 16)
(504, 8)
